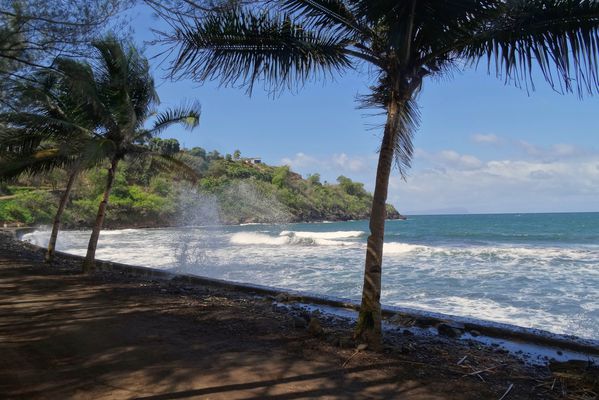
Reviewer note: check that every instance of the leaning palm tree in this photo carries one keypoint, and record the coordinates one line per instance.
(288, 42)
(118, 90)
(49, 131)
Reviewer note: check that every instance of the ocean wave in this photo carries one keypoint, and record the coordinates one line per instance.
(323, 235)
(498, 253)
(402, 248)
(285, 238)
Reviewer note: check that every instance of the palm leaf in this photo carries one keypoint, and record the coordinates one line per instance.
(174, 164)
(240, 47)
(559, 37)
(188, 116)
(41, 161)
(334, 15)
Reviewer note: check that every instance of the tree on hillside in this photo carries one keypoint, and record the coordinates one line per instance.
(402, 42)
(121, 90)
(165, 146)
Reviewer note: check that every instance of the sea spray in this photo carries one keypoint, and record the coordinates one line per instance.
(248, 202)
(199, 215)
(203, 216)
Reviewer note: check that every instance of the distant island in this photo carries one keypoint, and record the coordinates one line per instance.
(232, 190)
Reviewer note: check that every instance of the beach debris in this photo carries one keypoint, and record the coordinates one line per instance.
(509, 389)
(462, 360)
(483, 370)
(577, 377)
(361, 347)
(314, 327)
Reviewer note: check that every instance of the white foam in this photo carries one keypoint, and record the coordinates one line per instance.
(285, 238)
(401, 248)
(324, 235)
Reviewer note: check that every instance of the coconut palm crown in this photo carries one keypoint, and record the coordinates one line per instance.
(284, 43)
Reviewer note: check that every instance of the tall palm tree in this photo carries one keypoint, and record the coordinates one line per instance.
(288, 42)
(48, 131)
(118, 90)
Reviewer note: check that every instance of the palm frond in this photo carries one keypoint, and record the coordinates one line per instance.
(333, 15)
(409, 121)
(164, 162)
(81, 82)
(174, 164)
(559, 37)
(240, 47)
(39, 162)
(41, 126)
(187, 115)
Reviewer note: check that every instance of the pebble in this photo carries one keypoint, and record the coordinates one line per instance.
(449, 331)
(299, 322)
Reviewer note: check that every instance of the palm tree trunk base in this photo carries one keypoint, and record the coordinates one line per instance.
(368, 331)
(49, 257)
(88, 266)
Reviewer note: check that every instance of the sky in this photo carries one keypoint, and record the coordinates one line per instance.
(482, 146)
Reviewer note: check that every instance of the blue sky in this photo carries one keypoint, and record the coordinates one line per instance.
(482, 146)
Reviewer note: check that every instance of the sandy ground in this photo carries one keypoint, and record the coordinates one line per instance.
(68, 336)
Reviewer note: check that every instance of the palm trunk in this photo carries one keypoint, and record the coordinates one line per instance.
(64, 198)
(368, 328)
(89, 262)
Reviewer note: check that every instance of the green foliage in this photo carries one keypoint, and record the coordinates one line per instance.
(28, 207)
(279, 178)
(145, 196)
(165, 146)
(198, 152)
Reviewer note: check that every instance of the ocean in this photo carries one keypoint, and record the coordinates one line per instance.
(532, 270)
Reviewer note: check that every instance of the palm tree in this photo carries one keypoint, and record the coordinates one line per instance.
(402, 42)
(48, 131)
(118, 90)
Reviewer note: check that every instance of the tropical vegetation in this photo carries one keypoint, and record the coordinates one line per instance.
(144, 196)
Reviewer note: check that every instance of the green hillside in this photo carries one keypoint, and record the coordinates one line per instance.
(233, 189)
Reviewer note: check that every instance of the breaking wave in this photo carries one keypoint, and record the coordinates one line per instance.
(291, 238)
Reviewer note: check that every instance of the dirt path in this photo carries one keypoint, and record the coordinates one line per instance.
(67, 336)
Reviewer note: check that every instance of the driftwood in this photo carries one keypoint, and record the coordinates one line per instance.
(509, 389)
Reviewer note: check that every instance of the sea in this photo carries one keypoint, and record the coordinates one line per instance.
(532, 270)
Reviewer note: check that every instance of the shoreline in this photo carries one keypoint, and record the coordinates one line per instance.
(532, 344)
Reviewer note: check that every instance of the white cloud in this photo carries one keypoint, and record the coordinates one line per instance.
(504, 186)
(344, 162)
(301, 160)
(555, 151)
(453, 158)
(486, 139)
(450, 180)
(330, 167)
